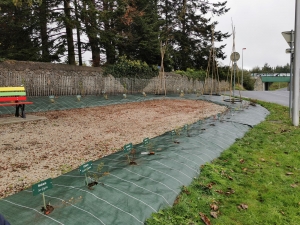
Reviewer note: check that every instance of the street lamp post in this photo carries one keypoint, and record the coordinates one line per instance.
(243, 67)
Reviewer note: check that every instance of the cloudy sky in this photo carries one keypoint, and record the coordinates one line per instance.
(258, 25)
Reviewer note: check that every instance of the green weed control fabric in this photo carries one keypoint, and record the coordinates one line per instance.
(130, 193)
(44, 103)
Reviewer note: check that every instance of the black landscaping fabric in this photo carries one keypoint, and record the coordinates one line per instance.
(128, 194)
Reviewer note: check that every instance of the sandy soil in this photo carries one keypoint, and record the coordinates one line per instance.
(34, 151)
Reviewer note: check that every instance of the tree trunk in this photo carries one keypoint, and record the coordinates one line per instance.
(92, 31)
(109, 44)
(70, 41)
(44, 32)
(78, 33)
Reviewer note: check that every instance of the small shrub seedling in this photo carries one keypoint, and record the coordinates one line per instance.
(40, 188)
(149, 146)
(131, 154)
(186, 128)
(95, 176)
(150, 149)
(177, 132)
(51, 97)
(131, 157)
(173, 133)
(83, 169)
(181, 93)
(219, 116)
(253, 102)
(49, 208)
(105, 95)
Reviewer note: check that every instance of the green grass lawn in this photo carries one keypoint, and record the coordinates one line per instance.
(277, 85)
(255, 181)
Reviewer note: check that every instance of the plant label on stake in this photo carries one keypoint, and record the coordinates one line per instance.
(84, 168)
(173, 134)
(149, 146)
(41, 187)
(200, 123)
(186, 127)
(130, 153)
(127, 148)
(146, 141)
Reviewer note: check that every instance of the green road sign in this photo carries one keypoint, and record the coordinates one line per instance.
(85, 167)
(146, 141)
(127, 147)
(42, 186)
(185, 127)
(173, 132)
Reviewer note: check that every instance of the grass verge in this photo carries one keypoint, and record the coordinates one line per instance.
(255, 181)
(277, 85)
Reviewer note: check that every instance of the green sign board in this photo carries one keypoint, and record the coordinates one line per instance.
(85, 167)
(42, 186)
(127, 147)
(146, 141)
(173, 132)
(185, 127)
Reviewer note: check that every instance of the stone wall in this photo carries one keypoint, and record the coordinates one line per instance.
(258, 85)
(43, 79)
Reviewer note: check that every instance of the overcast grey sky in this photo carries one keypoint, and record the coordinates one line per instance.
(258, 25)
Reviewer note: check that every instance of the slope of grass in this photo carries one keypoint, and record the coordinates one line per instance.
(255, 181)
(277, 85)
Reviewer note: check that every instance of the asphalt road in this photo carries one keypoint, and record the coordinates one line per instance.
(280, 97)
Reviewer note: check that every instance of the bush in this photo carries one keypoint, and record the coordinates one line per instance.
(131, 68)
(248, 81)
(278, 85)
(192, 74)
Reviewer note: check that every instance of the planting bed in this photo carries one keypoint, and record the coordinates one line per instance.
(34, 151)
(135, 185)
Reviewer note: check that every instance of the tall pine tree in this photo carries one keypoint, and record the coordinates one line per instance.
(16, 32)
(190, 34)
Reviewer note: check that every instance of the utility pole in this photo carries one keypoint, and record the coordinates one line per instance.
(296, 66)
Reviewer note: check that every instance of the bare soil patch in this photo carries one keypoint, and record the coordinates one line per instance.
(37, 150)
